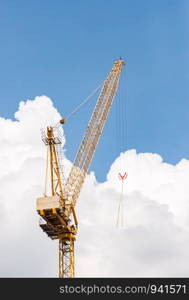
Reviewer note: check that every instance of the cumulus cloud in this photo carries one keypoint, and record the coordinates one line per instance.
(22, 164)
(153, 240)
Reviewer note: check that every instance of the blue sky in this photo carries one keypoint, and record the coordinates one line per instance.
(64, 49)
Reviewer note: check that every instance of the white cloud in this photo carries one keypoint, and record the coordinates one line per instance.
(154, 240)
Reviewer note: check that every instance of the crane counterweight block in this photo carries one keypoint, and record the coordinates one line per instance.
(52, 212)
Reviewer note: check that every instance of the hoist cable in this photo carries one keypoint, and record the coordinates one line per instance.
(84, 102)
(79, 106)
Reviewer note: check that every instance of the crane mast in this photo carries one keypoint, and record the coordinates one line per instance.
(58, 209)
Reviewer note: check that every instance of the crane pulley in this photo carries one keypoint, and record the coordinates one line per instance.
(58, 209)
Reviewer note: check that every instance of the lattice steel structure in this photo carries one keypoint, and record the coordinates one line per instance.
(58, 209)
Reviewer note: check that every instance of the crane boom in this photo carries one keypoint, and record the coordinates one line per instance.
(92, 135)
(58, 209)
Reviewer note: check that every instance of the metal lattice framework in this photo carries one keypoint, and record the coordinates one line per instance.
(58, 209)
(66, 258)
(92, 135)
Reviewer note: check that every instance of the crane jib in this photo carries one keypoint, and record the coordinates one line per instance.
(93, 132)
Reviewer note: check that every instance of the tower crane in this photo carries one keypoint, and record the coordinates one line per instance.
(57, 210)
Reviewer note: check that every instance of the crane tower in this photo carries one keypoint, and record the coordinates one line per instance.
(58, 208)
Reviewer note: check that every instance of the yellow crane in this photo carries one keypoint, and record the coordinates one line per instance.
(58, 209)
